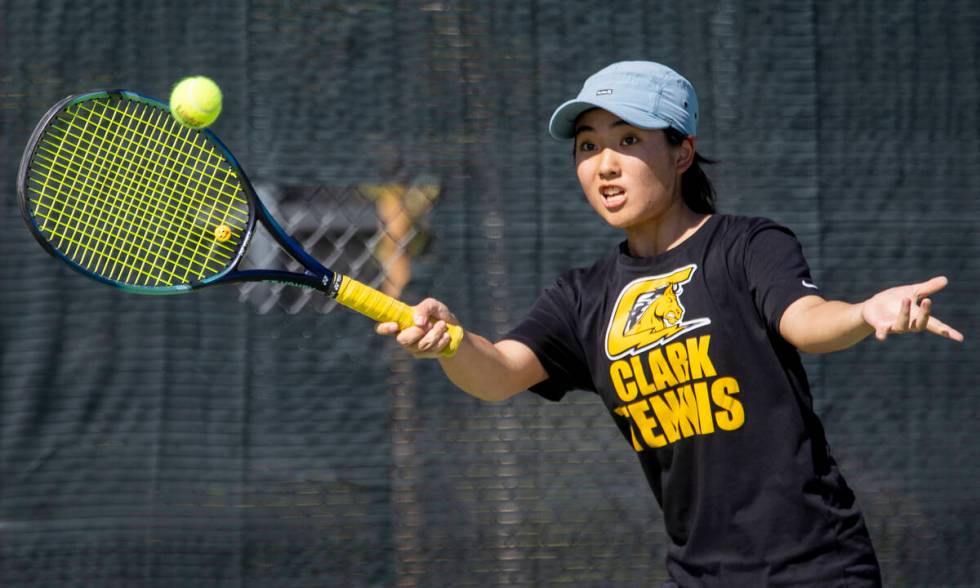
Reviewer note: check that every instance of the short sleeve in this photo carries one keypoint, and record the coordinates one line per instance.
(776, 270)
(549, 331)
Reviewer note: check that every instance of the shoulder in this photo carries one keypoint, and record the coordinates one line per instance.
(739, 226)
(578, 288)
(736, 234)
(745, 245)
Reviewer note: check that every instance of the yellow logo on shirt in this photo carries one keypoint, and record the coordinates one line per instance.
(667, 387)
(649, 312)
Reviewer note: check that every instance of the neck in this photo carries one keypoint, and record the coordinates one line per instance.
(666, 232)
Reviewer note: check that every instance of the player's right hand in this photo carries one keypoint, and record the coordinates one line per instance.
(429, 335)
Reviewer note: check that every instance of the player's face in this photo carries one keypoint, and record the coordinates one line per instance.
(631, 176)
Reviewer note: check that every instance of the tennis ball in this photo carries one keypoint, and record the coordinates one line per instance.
(196, 102)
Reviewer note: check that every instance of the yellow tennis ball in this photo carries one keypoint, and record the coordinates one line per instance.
(196, 102)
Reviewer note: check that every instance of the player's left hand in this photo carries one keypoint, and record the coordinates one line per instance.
(907, 309)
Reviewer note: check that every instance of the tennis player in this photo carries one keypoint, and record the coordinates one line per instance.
(690, 332)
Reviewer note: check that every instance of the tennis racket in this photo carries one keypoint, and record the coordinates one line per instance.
(111, 184)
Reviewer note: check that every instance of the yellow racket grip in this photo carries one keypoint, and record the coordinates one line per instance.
(385, 309)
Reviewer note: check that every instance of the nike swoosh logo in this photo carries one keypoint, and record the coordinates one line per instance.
(809, 285)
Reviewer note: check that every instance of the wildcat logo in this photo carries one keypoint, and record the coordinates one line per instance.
(649, 312)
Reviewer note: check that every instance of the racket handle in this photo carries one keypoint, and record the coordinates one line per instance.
(385, 309)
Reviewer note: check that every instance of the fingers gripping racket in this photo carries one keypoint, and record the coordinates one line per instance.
(111, 184)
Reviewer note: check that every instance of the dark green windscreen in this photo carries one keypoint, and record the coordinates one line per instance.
(217, 440)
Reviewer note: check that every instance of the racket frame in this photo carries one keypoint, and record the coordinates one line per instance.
(316, 276)
(344, 289)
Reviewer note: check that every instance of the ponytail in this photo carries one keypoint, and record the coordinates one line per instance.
(696, 188)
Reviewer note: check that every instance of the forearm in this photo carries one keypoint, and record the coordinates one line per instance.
(492, 372)
(823, 326)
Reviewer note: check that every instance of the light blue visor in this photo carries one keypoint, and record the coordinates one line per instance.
(645, 94)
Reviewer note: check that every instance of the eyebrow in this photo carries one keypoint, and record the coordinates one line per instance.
(584, 128)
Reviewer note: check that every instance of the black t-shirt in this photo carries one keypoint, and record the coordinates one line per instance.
(685, 352)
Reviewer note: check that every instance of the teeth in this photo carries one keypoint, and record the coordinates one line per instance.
(610, 192)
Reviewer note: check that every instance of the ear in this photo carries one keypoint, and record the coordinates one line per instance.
(684, 155)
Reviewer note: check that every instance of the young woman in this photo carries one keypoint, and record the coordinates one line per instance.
(689, 331)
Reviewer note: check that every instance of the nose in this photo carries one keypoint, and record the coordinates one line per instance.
(608, 164)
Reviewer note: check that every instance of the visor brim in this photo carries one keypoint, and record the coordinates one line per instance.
(562, 124)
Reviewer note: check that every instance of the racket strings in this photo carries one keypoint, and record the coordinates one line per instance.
(123, 190)
(108, 178)
(187, 238)
(154, 207)
(104, 237)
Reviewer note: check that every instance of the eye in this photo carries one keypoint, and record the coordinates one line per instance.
(631, 140)
(586, 146)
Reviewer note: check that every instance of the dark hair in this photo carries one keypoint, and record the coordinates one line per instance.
(696, 188)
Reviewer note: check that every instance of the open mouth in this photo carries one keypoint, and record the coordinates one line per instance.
(612, 196)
